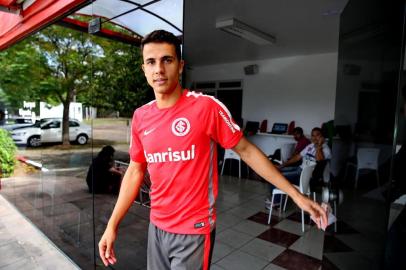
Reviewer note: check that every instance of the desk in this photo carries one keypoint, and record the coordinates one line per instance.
(268, 143)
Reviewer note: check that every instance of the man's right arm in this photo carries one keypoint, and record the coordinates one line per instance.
(293, 160)
(130, 185)
(128, 192)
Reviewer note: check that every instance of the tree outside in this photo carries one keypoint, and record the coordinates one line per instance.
(59, 65)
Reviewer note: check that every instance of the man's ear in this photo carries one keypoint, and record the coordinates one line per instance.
(143, 68)
(181, 66)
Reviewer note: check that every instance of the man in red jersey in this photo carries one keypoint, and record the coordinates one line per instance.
(175, 136)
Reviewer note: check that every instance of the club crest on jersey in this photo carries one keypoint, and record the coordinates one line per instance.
(180, 127)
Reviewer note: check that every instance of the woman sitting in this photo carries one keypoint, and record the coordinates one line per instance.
(102, 176)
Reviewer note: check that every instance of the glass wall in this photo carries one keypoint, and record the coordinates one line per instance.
(49, 182)
(68, 190)
(366, 115)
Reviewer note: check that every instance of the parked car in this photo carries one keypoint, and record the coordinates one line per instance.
(14, 123)
(50, 130)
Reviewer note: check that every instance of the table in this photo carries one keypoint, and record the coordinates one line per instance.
(268, 143)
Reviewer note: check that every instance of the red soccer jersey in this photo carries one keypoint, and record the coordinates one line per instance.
(179, 145)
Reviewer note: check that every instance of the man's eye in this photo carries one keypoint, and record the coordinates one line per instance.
(168, 60)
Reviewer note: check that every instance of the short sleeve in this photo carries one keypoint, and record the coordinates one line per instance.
(136, 150)
(221, 127)
(326, 151)
(305, 150)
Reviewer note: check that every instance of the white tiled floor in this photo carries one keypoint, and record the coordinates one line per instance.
(310, 244)
(262, 249)
(291, 226)
(68, 220)
(238, 260)
(233, 238)
(272, 266)
(237, 245)
(249, 227)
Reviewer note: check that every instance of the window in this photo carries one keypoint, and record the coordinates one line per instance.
(54, 124)
(73, 124)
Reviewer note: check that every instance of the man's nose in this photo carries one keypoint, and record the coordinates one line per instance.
(159, 67)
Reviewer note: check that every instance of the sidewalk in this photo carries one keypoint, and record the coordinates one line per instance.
(22, 246)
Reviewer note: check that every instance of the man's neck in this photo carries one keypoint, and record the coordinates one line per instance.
(168, 100)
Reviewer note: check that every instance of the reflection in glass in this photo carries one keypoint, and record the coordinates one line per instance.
(366, 98)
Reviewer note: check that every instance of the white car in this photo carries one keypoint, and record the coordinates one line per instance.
(50, 130)
(17, 123)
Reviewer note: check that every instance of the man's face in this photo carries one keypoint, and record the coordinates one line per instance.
(316, 136)
(296, 136)
(161, 67)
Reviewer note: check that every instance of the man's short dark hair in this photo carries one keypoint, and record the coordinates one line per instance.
(162, 36)
(107, 150)
(318, 129)
(298, 130)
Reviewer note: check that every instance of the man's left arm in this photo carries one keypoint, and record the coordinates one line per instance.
(319, 150)
(319, 153)
(257, 160)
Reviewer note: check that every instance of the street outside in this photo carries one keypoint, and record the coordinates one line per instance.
(108, 131)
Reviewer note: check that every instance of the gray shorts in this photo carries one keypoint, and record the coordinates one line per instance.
(170, 251)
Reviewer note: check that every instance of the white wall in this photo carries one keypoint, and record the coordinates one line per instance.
(299, 88)
(49, 111)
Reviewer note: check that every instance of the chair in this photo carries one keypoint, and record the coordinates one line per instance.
(320, 176)
(326, 173)
(145, 187)
(303, 187)
(326, 180)
(367, 159)
(264, 126)
(230, 154)
(287, 150)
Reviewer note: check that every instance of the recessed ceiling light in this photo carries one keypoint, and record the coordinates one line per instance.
(245, 31)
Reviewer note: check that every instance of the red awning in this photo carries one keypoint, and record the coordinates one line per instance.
(21, 18)
(106, 33)
(9, 4)
(31, 17)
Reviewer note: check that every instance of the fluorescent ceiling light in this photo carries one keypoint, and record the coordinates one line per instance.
(245, 31)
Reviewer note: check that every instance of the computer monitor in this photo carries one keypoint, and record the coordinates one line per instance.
(279, 128)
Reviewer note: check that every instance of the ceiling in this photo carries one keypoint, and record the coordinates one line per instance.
(300, 27)
(140, 16)
(21, 18)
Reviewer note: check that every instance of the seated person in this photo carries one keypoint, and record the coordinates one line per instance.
(317, 151)
(102, 176)
(302, 142)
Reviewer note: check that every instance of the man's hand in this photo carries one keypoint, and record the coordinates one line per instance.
(130, 186)
(317, 213)
(321, 141)
(106, 249)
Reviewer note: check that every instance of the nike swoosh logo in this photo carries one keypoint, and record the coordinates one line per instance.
(146, 132)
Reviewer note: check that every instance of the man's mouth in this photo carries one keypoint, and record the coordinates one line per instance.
(160, 81)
